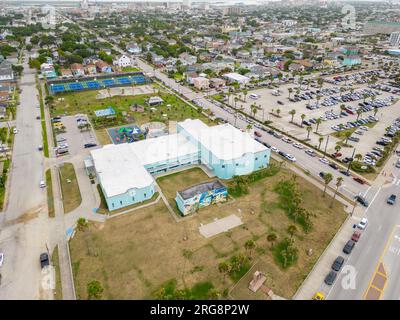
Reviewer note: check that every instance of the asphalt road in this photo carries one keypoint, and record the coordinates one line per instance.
(378, 243)
(23, 224)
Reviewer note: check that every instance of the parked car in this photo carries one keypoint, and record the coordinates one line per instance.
(356, 236)
(338, 263)
(1, 258)
(349, 246)
(345, 172)
(44, 260)
(257, 134)
(89, 145)
(359, 180)
(330, 278)
(362, 224)
(42, 184)
(362, 200)
(392, 199)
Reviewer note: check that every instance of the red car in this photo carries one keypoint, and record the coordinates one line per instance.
(336, 154)
(257, 134)
(356, 236)
(359, 180)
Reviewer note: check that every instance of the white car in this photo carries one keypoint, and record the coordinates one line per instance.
(298, 145)
(42, 184)
(15, 130)
(324, 160)
(310, 152)
(362, 224)
(1, 258)
(290, 158)
(274, 149)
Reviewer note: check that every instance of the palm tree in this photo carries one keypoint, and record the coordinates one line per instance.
(320, 82)
(290, 91)
(245, 92)
(224, 268)
(254, 109)
(236, 100)
(347, 134)
(320, 141)
(271, 237)
(292, 229)
(81, 224)
(318, 122)
(365, 96)
(249, 245)
(342, 107)
(359, 112)
(309, 129)
(302, 117)
(375, 111)
(358, 156)
(292, 113)
(337, 148)
(278, 111)
(339, 181)
(327, 179)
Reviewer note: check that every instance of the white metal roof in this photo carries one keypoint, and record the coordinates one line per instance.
(121, 167)
(236, 77)
(225, 141)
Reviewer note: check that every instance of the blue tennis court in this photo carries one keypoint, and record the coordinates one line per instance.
(75, 86)
(93, 83)
(108, 82)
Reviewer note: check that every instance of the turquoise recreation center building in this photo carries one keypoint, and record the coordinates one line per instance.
(125, 171)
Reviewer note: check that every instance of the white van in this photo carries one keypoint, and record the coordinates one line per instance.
(254, 96)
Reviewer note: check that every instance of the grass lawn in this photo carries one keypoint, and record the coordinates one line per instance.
(170, 184)
(103, 137)
(130, 69)
(71, 194)
(50, 198)
(86, 102)
(134, 255)
(56, 264)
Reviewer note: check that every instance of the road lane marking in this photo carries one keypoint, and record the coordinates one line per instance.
(379, 270)
(376, 194)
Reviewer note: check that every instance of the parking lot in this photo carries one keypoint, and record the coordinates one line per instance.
(74, 139)
(344, 105)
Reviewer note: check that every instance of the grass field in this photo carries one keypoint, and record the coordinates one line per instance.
(56, 264)
(86, 102)
(71, 194)
(133, 255)
(50, 198)
(174, 182)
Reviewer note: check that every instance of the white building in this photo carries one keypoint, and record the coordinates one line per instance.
(122, 61)
(394, 39)
(236, 77)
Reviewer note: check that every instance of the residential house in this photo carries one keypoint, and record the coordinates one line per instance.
(6, 71)
(190, 76)
(217, 83)
(133, 48)
(201, 83)
(77, 70)
(101, 66)
(187, 59)
(122, 61)
(66, 73)
(48, 71)
(90, 69)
